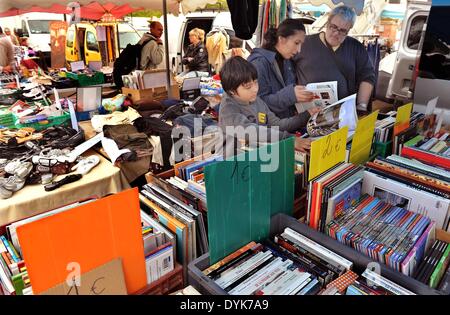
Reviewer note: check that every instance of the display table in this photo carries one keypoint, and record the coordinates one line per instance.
(102, 180)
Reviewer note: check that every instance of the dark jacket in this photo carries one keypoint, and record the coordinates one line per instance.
(278, 93)
(200, 55)
(349, 65)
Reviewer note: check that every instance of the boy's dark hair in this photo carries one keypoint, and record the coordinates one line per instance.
(237, 71)
(1, 30)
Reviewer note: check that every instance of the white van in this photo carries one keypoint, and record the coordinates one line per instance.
(404, 69)
(36, 26)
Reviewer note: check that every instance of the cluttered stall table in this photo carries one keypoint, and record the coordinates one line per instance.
(102, 180)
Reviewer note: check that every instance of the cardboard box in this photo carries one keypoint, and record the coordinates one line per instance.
(152, 94)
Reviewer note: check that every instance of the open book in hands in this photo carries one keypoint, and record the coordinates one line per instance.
(325, 93)
(334, 116)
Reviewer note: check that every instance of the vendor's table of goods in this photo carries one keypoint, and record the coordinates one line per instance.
(102, 180)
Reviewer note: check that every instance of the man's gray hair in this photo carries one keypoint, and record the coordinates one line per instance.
(344, 12)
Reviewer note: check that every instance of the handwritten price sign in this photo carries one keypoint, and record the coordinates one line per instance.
(327, 152)
(362, 139)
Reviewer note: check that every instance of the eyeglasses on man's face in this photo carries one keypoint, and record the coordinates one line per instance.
(334, 28)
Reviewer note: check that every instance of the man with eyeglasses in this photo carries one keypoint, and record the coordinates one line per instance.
(334, 56)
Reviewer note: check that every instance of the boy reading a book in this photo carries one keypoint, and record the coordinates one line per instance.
(241, 106)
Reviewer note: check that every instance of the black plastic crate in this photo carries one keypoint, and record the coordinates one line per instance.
(277, 225)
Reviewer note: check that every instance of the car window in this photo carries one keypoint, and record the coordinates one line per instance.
(70, 38)
(126, 38)
(415, 32)
(91, 41)
(39, 26)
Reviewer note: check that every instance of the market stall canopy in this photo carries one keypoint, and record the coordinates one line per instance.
(95, 10)
(54, 8)
(358, 5)
(90, 11)
(16, 7)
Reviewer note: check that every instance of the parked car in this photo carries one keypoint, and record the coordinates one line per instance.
(404, 71)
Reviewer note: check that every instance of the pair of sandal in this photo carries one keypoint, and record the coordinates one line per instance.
(22, 135)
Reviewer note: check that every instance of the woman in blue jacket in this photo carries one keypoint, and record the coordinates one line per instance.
(276, 71)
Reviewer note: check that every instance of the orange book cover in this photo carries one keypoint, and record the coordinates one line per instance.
(87, 236)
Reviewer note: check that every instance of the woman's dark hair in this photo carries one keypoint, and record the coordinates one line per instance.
(237, 71)
(287, 28)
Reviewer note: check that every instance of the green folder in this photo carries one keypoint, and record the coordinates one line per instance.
(243, 192)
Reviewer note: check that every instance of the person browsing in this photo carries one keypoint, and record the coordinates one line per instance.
(334, 56)
(242, 107)
(276, 73)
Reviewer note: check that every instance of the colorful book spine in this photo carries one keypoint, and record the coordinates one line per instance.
(10, 249)
(426, 157)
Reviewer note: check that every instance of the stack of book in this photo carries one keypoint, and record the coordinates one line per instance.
(292, 264)
(183, 221)
(384, 128)
(300, 172)
(159, 248)
(271, 269)
(190, 177)
(13, 272)
(386, 233)
(434, 270)
(369, 283)
(372, 283)
(433, 150)
(411, 185)
(182, 212)
(332, 192)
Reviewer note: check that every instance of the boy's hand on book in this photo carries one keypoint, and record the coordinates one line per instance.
(314, 110)
(302, 145)
(302, 94)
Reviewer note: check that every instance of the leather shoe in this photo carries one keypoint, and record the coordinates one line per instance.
(66, 180)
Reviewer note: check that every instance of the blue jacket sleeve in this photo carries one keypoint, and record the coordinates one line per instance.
(279, 101)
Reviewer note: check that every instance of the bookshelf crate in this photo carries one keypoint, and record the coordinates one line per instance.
(278, 223)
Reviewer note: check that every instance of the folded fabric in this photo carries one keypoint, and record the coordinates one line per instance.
(127, 137)
(152, 126)
(116, 118)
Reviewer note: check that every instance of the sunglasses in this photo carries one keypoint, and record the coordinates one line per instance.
(334, 28)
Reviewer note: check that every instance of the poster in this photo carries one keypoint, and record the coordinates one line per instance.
(58, 31)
